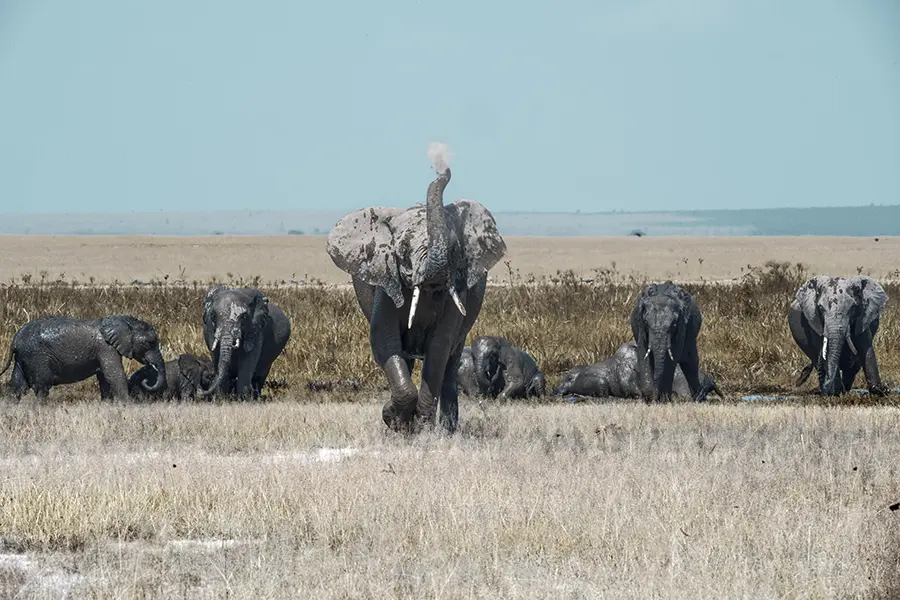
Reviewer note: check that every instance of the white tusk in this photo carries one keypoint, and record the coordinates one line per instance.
(215, 343)
(457, 301)
(824, 346)
(648, 353)
(237, 342)
(412, 307)
(670, 355)
(852, 347)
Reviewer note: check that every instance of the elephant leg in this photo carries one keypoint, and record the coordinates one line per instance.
(870, 365)
(387, 350)
(436, 363)
(105, 390)
(245, 378)
(449, 400)
(690, 367)
(114, 374)
(18, 384)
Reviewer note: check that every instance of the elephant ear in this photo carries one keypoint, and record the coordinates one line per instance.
(208, 300)
(482, 242)
(873, 298)
(638, 330)
(807, 297)
(362, 244)
(259, 311)
(118, 334)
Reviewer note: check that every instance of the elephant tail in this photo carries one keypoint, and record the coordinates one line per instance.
(804, 375)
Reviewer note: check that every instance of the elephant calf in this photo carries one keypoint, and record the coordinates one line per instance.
(493, 367)
(56, 350)
(184, 376)
(618, 377)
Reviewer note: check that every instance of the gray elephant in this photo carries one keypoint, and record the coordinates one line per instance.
(834, 321)
(617, 377)
(420, 276)
(245, 333)
(665, 323)
(57, 350)
(500, 370)
(184, 376)
(465, 376)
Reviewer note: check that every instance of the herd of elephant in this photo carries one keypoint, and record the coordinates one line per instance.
(420, 277)
(243, 331)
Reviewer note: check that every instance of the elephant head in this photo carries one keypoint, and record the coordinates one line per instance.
(568, 381)
(537, 386)
(664, 319)
(486, 357)
(138, 340)
(198, 370)
(838, 309)
(441, 249)
(233, 319)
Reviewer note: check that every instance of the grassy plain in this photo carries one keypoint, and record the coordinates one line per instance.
(306, 495)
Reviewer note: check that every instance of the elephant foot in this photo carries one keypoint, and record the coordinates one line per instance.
(878, 390)
(395, 418)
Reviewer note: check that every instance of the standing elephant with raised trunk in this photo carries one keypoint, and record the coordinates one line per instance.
(617, 377)
(834, 321)
(184, 376)
(245, 333)
(500, 370)
(57, 350)
(420, 276)
(665, 323)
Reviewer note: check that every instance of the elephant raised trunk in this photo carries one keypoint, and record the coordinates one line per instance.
(226, 341)
(440, 240)
(154, 359)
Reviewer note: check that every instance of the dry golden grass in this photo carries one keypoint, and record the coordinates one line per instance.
(315, 500)
(277, 258)
(308, 496)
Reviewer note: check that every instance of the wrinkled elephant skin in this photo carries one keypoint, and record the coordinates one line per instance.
(57, 350)
(500, 370)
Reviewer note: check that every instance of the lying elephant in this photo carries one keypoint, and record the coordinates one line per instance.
(493, 367)
(184, 376)
(617, 377)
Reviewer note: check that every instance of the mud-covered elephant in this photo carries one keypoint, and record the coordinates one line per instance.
(834, 321)
(184, 376)
(245, 333)
(665, 323)
(57, 350)
(617, 377)
(500, 370)
(420, 276)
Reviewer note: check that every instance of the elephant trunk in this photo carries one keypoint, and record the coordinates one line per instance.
(482, 372)
(226, 345)
(154, 359)
(832, 346)
(661, 352)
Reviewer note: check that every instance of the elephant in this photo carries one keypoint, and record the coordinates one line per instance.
(834, 321)
(245, 333)
(665, 323)
(184, 376)
(55, 350)
(420, 276)
(617, 377)
(500, 370)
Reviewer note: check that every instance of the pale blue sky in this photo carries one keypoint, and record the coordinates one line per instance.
(593, 105)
